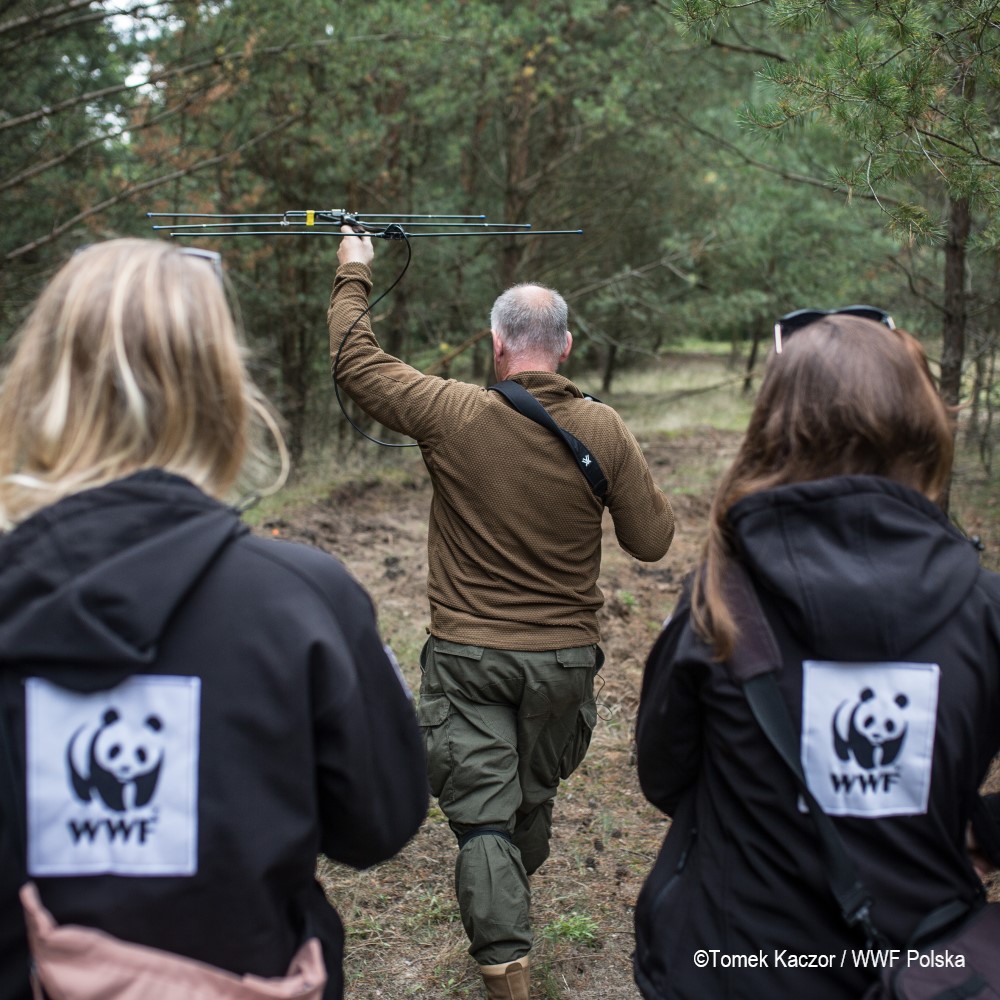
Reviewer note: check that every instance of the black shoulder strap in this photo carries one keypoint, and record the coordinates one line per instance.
(11, 815)
(754, 664)
(526, 404)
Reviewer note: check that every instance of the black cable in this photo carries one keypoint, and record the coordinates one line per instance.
(350, 330)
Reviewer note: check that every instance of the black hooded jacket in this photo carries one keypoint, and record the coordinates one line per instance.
(890, 639)
(190, 715)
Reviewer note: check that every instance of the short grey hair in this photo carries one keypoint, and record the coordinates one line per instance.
(531, 318)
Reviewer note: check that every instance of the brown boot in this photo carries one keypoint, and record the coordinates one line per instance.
(508, 981)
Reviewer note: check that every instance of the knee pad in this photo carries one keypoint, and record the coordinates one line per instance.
(484, 831)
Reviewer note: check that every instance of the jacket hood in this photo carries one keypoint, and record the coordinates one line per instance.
(856, 563)
(95, 578)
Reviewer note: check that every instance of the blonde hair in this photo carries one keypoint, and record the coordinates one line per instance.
(847, 396)
(130, 359)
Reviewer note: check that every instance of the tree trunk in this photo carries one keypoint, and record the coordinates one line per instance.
(751, 361)
(609, 367)
(953, 331)
(955, 309)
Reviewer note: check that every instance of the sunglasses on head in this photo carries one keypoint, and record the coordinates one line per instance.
(793, 321)
(212, 257)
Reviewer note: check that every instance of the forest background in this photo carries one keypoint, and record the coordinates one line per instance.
(727, 163)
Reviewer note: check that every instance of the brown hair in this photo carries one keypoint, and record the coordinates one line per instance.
(130, 359)
(847, 396)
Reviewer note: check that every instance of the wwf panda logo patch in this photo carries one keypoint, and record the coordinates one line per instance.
(120, 760)
(869, 729)
(111, 777)
(868, 736)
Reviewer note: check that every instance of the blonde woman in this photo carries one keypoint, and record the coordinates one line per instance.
(190, 713)
(889, 640)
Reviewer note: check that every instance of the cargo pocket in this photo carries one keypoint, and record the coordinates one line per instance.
(460, 649)
(579, 742)
(588, 659)
(432, 714)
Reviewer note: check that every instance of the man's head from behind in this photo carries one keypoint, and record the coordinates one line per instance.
(530, 322)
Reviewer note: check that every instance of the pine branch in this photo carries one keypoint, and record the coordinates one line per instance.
(155, 78)
(748, 50)
(149, 185)
(47, 31)
(41, 16)
(96, 140)
(914, 291)
(788, 175)
(976, 153)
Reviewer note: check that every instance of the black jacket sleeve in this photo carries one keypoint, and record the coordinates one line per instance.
(371, 775)
(669, 725)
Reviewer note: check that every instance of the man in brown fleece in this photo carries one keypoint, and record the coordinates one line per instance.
(514, 550)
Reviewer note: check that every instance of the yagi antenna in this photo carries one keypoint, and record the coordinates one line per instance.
(328, 223)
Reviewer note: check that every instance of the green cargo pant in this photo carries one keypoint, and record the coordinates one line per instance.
(501, 729)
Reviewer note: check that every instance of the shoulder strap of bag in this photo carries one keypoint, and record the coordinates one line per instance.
(12, 815)
(754, 663)
(9, 791)
(526, 404)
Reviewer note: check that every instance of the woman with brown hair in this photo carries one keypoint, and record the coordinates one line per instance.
(189, 714)
(888, 636)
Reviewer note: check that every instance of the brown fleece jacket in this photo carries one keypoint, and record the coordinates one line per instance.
(514, 539)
